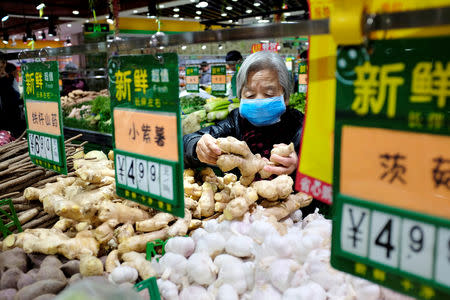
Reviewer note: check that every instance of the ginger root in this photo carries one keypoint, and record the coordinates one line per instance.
(181, 226)
(243, 198)
(238, 155)
(137, 260)
(123, 232)
(53, 241)
(206, 201)
(112, 261)
(292, 203)
(120, 212)
(157, 222)
(91, 266)
(272, 190)
(138, 243)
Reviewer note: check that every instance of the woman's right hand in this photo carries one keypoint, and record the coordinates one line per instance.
(207, 150)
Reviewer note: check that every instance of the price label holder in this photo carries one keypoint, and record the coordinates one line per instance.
(192, 85)
(218, 80)
(302, 76)
(392, 165)
(43, 115)
(148, 149)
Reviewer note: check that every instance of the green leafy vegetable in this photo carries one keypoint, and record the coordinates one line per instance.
(298, 101)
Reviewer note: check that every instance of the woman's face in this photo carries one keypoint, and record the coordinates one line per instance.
(262, 84)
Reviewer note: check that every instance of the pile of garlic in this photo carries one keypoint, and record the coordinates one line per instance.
(249, 259)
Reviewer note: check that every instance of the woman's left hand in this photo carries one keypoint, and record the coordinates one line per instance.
(287, 165)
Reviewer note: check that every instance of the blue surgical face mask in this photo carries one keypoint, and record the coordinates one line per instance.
(262, 112)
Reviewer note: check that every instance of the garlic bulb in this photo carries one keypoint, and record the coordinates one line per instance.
(167, 289)
(212, 244)
(123, 274)
(227, 292)
(201, 269)
(309, 291)
(195, 292)
(240, 246)
(180, 245)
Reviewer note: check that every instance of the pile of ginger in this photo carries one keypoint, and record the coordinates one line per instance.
(95, 222)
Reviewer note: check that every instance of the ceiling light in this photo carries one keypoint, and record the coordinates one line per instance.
(181, 19)
(235, 0)
(46, 17)
(204, 47)
(4, 16)
(202, 4)
(40, 31)
(249, 11)
(287, 14)
(197, 18)
(183, 47)
(40, 37)
(5, 37)
(110, 18)
(258, 18)
(192, 1)
(75, 12)
(237, 22)
(86, 21)
(256, 4)
(230, 21)
(161, 6)
(223, 14)
(220, 47)
(198, 12)
(176, 9)
(161, 47)
(229, 7)
(176, 15)
(264, 41)
(56, 39)
(263, 21)
(135, 11)
(40, 6)
(69, 25)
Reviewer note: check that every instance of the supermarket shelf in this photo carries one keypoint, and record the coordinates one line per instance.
(103, 139)
(385, 21)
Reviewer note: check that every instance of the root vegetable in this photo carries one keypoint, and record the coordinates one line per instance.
(292, 203)
(278, 188)
(71, 268)
(157, 222)
(194, 224)
(46, 297)
(112, 261)
(122, 213)
(38, 288)
(206, 201)
(227, 292)
(105, 232)
(9, 278)
(138, 243)
(173, 267)
(138, 261)
(51, 261)
(123, 232)
(8, 294)
(239, 156)
(47, 272)
(14, 258)
(310, 291)
(240, 205)
(181, 226)
(63, 224)
(91, 266)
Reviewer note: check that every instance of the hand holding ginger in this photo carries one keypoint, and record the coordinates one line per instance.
(285, 164)
(207, 149)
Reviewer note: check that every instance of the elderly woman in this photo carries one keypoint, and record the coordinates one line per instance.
(262, 120)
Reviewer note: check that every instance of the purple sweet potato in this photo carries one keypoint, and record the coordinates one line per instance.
(71, 268)
(8, 294)
(39, 288)
(24, 280)
(49, 272)
(14, 258)
(9, 278)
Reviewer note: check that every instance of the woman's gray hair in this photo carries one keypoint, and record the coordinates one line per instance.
(264, 60)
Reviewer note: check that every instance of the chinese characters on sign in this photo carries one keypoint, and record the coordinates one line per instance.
(302, 76)
(218, 80)
(146, 135)
(138, 84)
(192, 81)
(392, 165)
(43, 111)
(271, 47)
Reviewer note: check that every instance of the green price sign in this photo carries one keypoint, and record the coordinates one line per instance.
(192, 79)
(147, 141)
(43, 115)
(392, 165)
(218, 80)
(302, 76)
